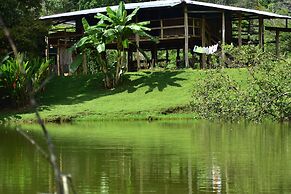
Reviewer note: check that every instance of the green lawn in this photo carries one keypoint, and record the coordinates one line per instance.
(141, 96)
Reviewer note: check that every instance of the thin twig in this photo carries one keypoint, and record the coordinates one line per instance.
(38, 147)
(71, 184)
(42, 85)
(52, 156)
(53, 160)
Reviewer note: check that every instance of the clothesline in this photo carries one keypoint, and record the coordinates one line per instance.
(206, 50)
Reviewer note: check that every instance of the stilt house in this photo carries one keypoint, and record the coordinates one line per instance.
(178, 24)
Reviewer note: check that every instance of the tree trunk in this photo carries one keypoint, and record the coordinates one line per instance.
(108, 82)
(118, 68)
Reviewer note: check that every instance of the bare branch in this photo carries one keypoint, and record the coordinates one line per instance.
(51, 157)
(38, 148)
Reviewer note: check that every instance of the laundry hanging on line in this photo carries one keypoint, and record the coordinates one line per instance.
(206, 50)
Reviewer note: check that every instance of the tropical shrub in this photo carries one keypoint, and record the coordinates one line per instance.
(271, 89)
(217, 96)
(267, 94)
(246, 55)
(19, 78)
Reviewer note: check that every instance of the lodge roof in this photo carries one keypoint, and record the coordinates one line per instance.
(165, 4)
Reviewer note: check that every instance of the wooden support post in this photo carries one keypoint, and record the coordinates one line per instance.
(193, 23)
(47, 50)
(66, 61)
(203, 37)
(153, 59)
(286, 23)
(178, 58)
(162, 29)
(239, 30)
(129, 60)
(154, 54)
(278, 43)
(79, 26)
(261, 32)
(223, 38)
(137, 38)
(249, 30)
(186, 48)
(58, 59)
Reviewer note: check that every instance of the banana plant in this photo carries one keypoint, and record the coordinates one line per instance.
(116, 26)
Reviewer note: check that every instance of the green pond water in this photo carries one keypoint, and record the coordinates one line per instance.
(157, 157)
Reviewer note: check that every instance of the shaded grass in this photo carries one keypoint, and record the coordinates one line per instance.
(143, 95)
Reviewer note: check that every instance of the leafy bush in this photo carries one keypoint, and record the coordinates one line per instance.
(267, 95)
(18, 78)
(271, 89)
(246, 55)
(218, 97)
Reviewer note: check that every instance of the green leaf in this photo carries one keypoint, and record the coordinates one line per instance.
(125, 43)
(109, 33)
(101, 48)
(85, 24)
(104, 17)
(121, 9)
(130, 16)
(143, 53)
(143, 23)
(76, 63)
(111, 13)
(82, 41)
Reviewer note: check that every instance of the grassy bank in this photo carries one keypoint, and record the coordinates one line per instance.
(143, 95)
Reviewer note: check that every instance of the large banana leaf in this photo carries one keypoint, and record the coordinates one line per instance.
(76, 63)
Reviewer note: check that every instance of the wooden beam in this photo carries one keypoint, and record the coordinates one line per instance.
(239, 30)
(199, 12)
(278, 29)
(186, 56)
(203, 40)
(162, 29)
(278, 43)
(261, 32)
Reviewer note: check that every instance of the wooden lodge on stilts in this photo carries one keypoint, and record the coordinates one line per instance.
(178, 25)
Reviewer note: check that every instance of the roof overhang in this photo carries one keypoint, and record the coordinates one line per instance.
(165, 4)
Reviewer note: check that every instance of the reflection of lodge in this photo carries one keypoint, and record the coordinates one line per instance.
(178, 24)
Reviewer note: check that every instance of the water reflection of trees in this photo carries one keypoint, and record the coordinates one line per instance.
(202, 158)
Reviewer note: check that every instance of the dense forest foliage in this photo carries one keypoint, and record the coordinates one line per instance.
(20, 16)
(57, 6)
